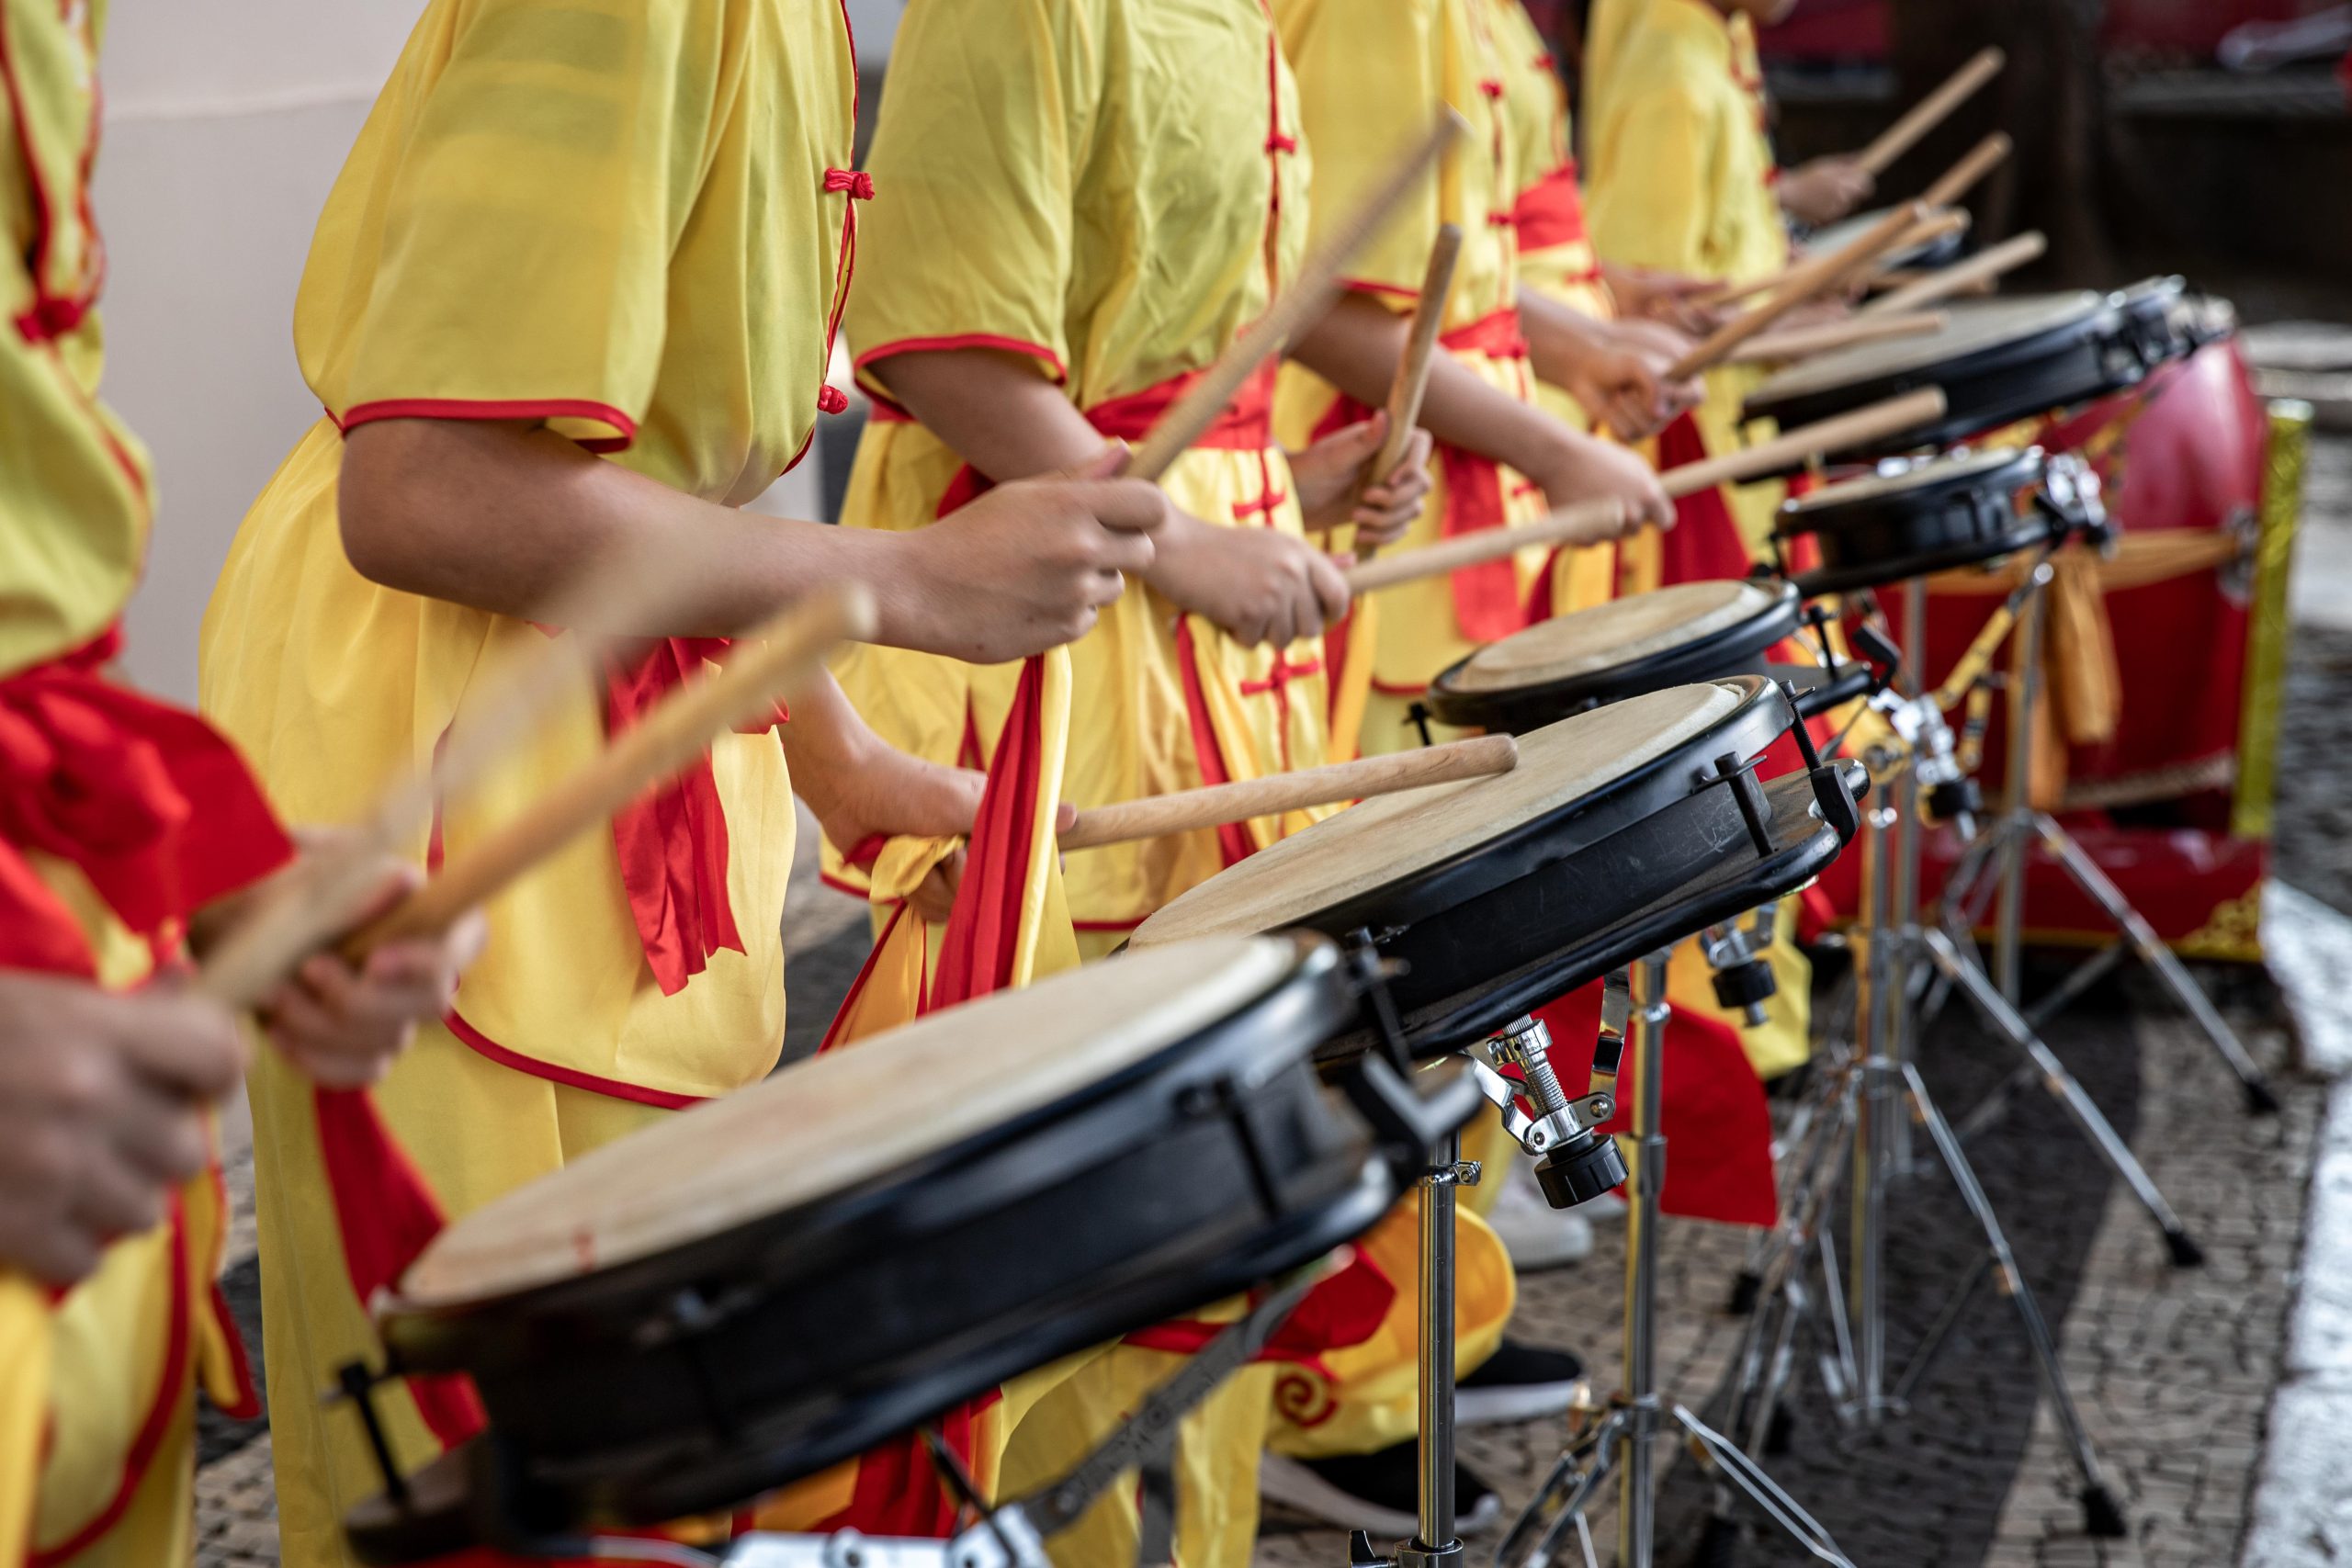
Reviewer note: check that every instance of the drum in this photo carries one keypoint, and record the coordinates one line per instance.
(1621, 831)
(1949, 512)
(1998, 361)
(766, 1284)
(1938, 251)
(1691, 631)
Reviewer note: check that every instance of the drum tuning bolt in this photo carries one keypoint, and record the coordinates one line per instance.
(1574, 1160)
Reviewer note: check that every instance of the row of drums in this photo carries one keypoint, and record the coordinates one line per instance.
(758, 1288)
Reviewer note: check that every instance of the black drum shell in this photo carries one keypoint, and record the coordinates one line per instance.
(1735, 650)
(693, 1380)
(1523, 901)
(1892, 538)
(2108, 350)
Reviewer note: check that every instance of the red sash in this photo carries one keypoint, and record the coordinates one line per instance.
(1488, 606)
(153, 806)
(1550, 214)
(1705, 542)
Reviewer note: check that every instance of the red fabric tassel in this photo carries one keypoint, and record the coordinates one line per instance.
(673, 843)
(1718, 1129)
(386, 1215)
(1705, 542)
(152, 805)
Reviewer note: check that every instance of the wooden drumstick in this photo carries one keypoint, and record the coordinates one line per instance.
(763, 668)
(1930, 111)
(1299, 306)
(1809, 280)
(1961, 278)
(1802, 343)
(1796, 447)
(1571, 523)
(1568, 526)
(304, 909)
(1963, 176)
(1938, 225)
(1412, 379)
(1332, 784)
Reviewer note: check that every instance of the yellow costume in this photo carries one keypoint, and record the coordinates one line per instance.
(1680, 179)
(1111, 191)
(97, 1416)
(1099, 188)
(1370, 76)
(1680, 176)
(632, 222)
(1556, 254)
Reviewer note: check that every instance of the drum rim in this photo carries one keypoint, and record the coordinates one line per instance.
(1965, 469)
(1832, 520)
(1694, 662)
(425, 1334)
(1760, 716)
(2100, 313)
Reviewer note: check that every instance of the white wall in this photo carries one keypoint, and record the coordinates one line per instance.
(226, 121)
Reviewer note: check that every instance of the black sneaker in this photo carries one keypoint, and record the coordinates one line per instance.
(1377, 1493)
(1519, 1382)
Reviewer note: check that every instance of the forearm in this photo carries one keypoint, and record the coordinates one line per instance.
(994, 409)
(509, 518)
(1561, 341)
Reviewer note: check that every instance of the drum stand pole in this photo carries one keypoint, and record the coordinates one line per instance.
(1435, 1544)
(1624, 1441)
(2012, 838)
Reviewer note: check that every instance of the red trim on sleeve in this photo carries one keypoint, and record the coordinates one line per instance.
(1384, 290)
(493, 408)
(613, 1089)
(1037, 351)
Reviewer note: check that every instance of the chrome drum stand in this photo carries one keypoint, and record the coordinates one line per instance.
(1859, 1127)
(1573, 1157)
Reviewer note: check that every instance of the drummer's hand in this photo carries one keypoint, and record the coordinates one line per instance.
(1256, 584)
(1330, 475)
(1026, 568)
(1646, 293)
(1658, 348)
(1825, 190)
(344, 1023)
(103, 1101)
(1581, 469)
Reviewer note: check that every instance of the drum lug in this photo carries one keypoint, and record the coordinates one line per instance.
(355, 1384)
(1749, 795)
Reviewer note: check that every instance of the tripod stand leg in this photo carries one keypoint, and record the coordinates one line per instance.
(1638, 1494)
(1435, 1538)
(1560, 1503)
(2158, 957)
(2102, 1515)
(2093, 1125)
(1723, 1459)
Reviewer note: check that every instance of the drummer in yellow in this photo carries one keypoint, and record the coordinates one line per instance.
(1595, 368)
(574, 294)
(1125, 190)
(1372, 73)
(122, 821)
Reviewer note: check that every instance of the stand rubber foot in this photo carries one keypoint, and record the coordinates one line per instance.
(2186, 1253)
(1746, 1287)
(1718, 1543)
(2260, 1100)
(1780, 1431)
(2102, 1515)
(1360, 1554)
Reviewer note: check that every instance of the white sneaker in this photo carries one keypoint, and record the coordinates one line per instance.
(1536, 1234)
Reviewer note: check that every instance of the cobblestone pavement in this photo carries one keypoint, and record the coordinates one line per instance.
(2174, 1370)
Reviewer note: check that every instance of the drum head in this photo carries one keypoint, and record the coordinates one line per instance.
(1885, 528)
(755, 1289)
(1342, 858)
(827, 1126)
(1838, 235)
(1691, 631)
(1997, 361)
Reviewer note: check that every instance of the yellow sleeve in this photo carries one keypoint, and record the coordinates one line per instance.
(986, 128)
(531, 217)
(1368, 88)
(1650, 202)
